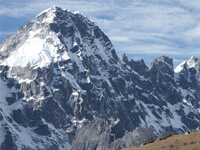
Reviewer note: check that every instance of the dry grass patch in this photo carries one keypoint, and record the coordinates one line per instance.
(175, 142)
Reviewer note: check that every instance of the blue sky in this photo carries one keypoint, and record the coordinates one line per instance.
(140, 28)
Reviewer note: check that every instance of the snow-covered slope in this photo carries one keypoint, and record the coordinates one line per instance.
(61, 71)
(187, 76)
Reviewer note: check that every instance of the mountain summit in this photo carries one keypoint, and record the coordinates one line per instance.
(60, 72)
(53, 35)
(191, 63)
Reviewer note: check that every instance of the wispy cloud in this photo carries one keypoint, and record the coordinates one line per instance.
(137, 27)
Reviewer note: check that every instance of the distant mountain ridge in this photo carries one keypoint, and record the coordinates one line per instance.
(60, 71)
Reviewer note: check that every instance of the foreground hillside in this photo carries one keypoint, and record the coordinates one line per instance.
(182, 142)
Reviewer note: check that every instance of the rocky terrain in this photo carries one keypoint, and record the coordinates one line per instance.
(109, 135)
(60, 77)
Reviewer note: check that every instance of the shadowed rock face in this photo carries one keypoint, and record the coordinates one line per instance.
(109, 135)
(187, 77)
(74, 74)
(8, 143)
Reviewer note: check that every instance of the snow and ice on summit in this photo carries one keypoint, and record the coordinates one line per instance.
(36, 52)
(191, 63)
(43, 46)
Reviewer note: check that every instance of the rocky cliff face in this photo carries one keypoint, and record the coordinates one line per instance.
(109, 135)
(60, 71)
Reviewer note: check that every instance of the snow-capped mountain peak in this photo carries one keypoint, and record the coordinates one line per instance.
(49, 14)
(191, 63)
(56, 35)
(60, 71)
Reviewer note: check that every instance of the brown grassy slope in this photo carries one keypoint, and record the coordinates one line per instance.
(180, 142)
